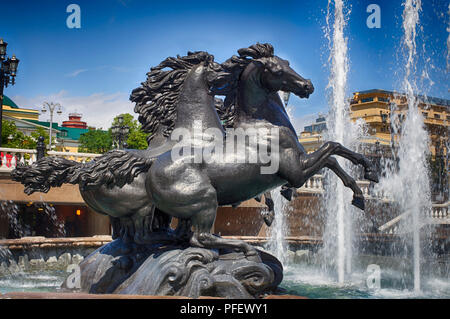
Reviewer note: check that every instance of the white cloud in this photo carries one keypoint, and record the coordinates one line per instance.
(98, 109)
(75, 73)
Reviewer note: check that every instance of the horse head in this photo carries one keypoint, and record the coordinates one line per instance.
(277, 75)
(275, 72)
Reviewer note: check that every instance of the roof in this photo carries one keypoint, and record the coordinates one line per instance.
(30, 122)
(9, 102)
(424, 98)
(73, 133)
(46, 124)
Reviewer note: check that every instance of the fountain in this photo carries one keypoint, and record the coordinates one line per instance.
(406, 183)
(147, 257)
(409, 183)
(340, 215)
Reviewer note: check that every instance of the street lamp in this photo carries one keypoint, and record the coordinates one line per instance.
(51, 106)
(120, 133)
(8, 71)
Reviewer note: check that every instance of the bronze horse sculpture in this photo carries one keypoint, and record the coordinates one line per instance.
(183, 99)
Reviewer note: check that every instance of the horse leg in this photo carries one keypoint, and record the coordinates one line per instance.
(332, 163)
(287, 192)
(333, 148)
(269, 215)
(203, 221)
(358, 197)
(356, 158)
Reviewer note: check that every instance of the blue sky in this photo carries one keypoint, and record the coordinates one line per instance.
(92, 70)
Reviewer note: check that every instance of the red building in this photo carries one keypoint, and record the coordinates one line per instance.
(75, 121)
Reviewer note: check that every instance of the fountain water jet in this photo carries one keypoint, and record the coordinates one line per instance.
(409, 184)
(338, 233)
(277, 244)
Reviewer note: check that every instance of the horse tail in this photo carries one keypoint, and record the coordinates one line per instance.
(115, 168)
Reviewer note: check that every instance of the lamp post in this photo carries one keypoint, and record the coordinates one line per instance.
(51, 107)
(8, 69)
(120, 133)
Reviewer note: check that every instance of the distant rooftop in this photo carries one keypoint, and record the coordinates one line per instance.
(72, 133)
(424, 98)
(7, 101)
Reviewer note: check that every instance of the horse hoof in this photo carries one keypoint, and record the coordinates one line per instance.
(371, 175)
(358, 202)
(268, 219)
(287, 193)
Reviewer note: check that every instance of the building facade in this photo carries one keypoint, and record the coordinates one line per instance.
(65, 137)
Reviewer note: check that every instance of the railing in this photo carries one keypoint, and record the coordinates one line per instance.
(438, 214)
(315, 185)
(79, 157)
(439, 211)
(10, 157)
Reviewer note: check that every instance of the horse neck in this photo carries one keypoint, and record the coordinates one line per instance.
(255, 103)
(195, 104)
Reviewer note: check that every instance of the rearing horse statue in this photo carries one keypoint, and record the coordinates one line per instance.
(190, 189)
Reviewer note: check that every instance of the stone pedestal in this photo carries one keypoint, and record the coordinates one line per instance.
(177, 270)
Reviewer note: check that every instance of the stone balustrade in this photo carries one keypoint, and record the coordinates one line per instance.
(439, 211)
(79, 157)
(12, 156)
(313, 185)
(438, 214)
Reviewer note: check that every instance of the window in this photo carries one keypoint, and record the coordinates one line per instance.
(425, 114)
(369, 99)
(437, 116)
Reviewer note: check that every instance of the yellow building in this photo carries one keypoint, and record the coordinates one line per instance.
(374, 107)
(10, 109)
(64, 137)
(26, 120)
(311, 138)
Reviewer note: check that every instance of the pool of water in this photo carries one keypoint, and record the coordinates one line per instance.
(32, 282)
(312, 283)
(302, 280)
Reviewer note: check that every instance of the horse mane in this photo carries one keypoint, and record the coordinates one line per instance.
(157, 98)
(234, 66)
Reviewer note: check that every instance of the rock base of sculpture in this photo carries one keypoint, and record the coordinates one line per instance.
(177, 270)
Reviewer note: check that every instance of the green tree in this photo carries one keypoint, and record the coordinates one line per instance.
(137, 139)
(95, 141)
(13, 138)
(41, 132)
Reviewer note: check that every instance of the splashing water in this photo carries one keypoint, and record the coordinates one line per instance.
(279, 229)
(409, 184)
(338, 232)
(9, 211)
(448, 41)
